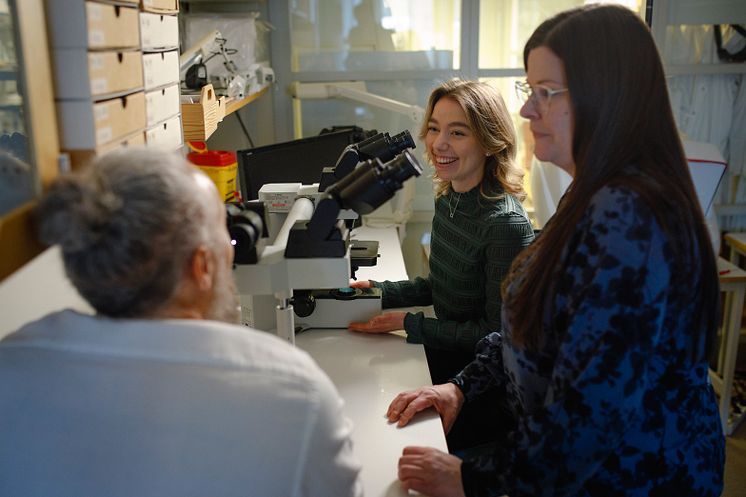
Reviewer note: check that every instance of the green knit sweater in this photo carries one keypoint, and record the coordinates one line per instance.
(470, 253)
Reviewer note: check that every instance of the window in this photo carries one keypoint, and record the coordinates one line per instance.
(401, 49)
(375, 35)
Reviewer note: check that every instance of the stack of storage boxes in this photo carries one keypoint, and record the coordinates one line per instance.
(159, 35)
(100, 75)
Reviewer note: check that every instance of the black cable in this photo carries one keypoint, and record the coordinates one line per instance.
(246, 131)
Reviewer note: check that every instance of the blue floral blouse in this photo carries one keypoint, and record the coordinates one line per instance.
(613, 403)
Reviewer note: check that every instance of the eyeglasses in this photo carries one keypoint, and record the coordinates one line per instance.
(540, 95)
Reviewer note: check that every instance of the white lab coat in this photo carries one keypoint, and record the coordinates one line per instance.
(95, 406)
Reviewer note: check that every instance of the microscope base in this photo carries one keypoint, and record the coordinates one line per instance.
(334, 309)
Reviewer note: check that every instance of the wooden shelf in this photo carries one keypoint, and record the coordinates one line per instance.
(718, 68)
(200, 120)
(233, 105)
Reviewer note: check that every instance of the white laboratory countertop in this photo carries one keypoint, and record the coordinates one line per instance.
(367, 370)
(391, 263)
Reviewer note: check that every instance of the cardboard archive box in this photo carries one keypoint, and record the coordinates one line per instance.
(90, 125)
(160, 69)
(79, 158)
(84, 75)
(162, 104)
(92, 25)
(158, 31)
(166, 134)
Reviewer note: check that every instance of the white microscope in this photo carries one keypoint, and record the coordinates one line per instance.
(312, 248)
(280, 197)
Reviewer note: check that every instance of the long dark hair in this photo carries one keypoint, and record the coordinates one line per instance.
(622, 118)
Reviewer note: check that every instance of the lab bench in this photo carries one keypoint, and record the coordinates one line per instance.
(369, 370)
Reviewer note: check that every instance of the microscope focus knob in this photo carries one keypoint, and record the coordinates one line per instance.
(303, 304)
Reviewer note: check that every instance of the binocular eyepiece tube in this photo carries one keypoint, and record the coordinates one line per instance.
(245, 228)
(374, 182)
(385, 147)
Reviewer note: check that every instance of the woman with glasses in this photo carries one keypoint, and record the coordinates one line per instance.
(479, 227)
(607, 317)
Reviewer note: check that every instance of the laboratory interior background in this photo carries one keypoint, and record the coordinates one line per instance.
(244, 77)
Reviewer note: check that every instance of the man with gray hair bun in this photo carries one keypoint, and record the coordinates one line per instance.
(153, 395)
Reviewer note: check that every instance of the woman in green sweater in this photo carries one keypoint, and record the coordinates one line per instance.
(478, 228)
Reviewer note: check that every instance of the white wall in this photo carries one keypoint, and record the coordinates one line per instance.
(38, 288)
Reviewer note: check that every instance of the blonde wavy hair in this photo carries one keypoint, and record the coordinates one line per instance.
(493, 129)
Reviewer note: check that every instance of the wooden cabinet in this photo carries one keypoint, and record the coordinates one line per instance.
(29, 73)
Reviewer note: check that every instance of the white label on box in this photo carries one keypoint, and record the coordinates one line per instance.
(148, 63)
(101, 112)
(97, 62)
(99, 85)
(145, 31)
(104, 134)
(95, 12)
(96, 37)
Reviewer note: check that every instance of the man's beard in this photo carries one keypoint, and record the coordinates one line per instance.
(224, 306)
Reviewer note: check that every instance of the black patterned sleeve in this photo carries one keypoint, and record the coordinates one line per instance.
(485, 371)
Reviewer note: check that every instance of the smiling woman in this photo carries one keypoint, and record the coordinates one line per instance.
(453, 148)
(478, 228)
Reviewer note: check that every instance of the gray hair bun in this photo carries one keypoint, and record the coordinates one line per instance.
(128, 224)
(78, 212)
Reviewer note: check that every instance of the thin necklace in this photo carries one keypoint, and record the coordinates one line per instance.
(452, 210)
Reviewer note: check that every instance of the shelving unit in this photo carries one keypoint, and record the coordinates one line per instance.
(666, 13)
(233, 105)
(199, 123)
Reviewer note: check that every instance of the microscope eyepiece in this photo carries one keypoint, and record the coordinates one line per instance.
(399, 169)
(403, 141)
(374, 182)
(245, 228)
(364, 190)
(384, 147)
(380, 146)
